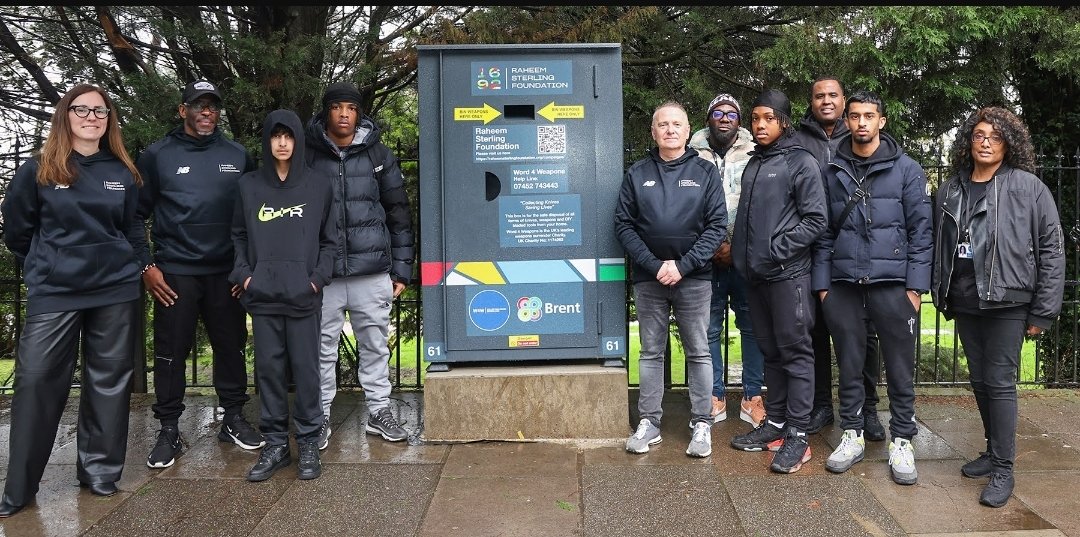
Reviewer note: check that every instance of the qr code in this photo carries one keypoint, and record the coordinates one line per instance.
(551, 139)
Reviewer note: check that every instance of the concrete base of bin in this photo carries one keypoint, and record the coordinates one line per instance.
(526, 403)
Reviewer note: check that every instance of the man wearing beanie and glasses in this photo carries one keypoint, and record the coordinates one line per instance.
(726, 144)
(190, 189)
(374, 260)
(780, 216)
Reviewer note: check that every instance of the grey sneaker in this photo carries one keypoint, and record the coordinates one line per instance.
(701, 441)
(324, 434)
(902, 462)
(850, 451)
(646, 435)
(383, 423)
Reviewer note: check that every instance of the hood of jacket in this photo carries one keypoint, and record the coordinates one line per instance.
(290, 120)
(367, 134)
(887, 150)
(786, 142)
(809, 125)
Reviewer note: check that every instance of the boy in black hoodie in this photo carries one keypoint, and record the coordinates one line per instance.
(284, 235)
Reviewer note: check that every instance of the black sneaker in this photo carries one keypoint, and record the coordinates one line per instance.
(166, 449)
(998, 490)
(271, 459)
(383, 422)
(793, 453)
(820, 416)
(308, 465)
(324, 434)
(980, 467)
(759, 438)
(238, 431)
(873, 430)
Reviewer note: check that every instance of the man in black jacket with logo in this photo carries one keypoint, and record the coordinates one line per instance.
(670, 218)
(781, 214)
(191, 176)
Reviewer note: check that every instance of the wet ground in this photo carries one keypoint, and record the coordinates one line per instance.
(373, 487)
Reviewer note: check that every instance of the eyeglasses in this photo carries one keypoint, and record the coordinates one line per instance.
(82, 110)
(720, 114)
(199, 107)
(978, 137)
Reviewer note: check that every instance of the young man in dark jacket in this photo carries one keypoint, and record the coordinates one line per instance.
(781, 213)
(374, 259)
(670, 218)
(872, 266)
(285, 235)
(820, 131)
(189, 194)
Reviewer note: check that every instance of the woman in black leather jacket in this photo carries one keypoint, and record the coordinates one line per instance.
(999, 269)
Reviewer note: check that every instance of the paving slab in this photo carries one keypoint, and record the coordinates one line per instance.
(507, 488)
(808, 505)
(352, 499)
(945, 501)
(622, 500)
(192, 507)
(1042, 493)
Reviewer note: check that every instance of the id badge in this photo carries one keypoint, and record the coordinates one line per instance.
(963, 250)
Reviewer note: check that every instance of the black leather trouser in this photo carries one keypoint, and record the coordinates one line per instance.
(44, 366)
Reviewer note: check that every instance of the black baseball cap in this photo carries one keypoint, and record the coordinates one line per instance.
(199, 88)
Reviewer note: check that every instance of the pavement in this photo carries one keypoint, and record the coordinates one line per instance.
(565, 488)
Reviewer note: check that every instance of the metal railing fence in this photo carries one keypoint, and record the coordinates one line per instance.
(1050, 361)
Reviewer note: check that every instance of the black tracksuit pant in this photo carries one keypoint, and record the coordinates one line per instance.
(783, 314)
(288, 343)
(823, 378)
(208, 297)
(849, 309)
(44, 366)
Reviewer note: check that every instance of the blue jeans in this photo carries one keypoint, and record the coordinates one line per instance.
(689, 300)
(727, 286)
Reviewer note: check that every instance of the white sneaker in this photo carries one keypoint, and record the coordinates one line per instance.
(902, 462)
(646, 435)
(701, 441)
(850, 451)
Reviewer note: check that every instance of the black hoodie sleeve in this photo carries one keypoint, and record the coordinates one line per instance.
(241, 265)
(148, 194)
(21, 210)
(328, 234)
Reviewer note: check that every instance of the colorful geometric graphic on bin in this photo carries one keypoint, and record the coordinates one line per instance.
(608, 269)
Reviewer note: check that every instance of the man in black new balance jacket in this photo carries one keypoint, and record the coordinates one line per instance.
(190, 191)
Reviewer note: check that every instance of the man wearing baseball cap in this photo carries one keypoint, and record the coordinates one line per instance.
(190, 187)
(726, 144)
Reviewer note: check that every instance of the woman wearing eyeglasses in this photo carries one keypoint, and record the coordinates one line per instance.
(999, 271)
(68, 218)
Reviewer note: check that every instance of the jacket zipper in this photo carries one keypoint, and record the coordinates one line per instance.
(993, 253)
(947, 278)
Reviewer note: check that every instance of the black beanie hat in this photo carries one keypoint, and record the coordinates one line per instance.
(340, 92)
(774, 99)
